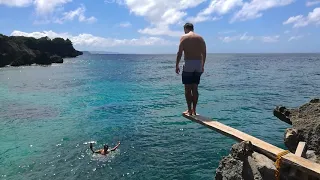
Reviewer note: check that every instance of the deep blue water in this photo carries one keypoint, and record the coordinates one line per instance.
(47, 114)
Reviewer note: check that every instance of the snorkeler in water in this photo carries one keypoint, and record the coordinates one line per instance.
(105, 149)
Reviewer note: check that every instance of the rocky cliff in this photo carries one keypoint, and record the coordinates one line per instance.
(244, 164)
(19, 50)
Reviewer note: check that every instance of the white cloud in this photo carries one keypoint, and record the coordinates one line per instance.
(227, 39)
(270, 39)
(227, 32)
(219, 7)
(245, 37)
(16, 3)
(46, 10)
(199, 19)
(287, 32)
(91, 41)
(253, 9)
(160, 14)
(160, 31)
(301, 21)
(312, 3)
(165, 12)
(125, 24)
(44, 7)
(37, 35)
(78, 13)
(295, 37)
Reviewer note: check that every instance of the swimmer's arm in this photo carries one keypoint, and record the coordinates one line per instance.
(113, 149)
(91, 147)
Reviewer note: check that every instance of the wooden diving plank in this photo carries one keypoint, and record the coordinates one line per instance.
(263, 147)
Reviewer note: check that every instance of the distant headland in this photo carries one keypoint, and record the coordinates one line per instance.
(20, 50)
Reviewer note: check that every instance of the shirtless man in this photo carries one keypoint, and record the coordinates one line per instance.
(194, 48)
(105, 149)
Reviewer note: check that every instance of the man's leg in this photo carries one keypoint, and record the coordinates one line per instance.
(188, 95)
(195, 93)
(195, 97)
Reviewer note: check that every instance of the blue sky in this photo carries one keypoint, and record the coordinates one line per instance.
(155, 26)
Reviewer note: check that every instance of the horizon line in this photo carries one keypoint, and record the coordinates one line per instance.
(106, 52)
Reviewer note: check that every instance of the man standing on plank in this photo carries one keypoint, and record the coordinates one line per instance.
(194, 48)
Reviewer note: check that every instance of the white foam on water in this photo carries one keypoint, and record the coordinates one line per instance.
(104, 158)
(93, 142)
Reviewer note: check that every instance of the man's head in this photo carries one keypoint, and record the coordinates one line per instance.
(188, 27)
(105, 147)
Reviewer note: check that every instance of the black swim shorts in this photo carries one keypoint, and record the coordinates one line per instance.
(191, 77)
(192, 71)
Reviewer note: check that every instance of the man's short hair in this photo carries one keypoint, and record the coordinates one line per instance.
(188, 26)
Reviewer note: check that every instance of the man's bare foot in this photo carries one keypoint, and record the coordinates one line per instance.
(194, 112)
(187, 112)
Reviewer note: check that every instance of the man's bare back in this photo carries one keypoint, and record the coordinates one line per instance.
(193, 46)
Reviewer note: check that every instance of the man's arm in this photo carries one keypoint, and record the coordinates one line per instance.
(179, 55)
(204, 51)
(113, 149)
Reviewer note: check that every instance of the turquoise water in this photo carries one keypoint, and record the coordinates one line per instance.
(47, 114)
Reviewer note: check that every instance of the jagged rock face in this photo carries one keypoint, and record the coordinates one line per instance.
(264, 165)
(17, 50)
(306, 120)
(56, 59)
(244, 163)
(291, 139)
(43, 59)
(229, 169)
(242, 150)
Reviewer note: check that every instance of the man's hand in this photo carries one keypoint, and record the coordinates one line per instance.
(177, 69)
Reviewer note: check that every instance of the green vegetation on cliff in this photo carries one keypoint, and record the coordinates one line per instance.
(19, 50)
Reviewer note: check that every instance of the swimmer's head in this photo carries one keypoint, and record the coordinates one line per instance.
(105, 147)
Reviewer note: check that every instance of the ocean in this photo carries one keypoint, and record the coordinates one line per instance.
(48, 114)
